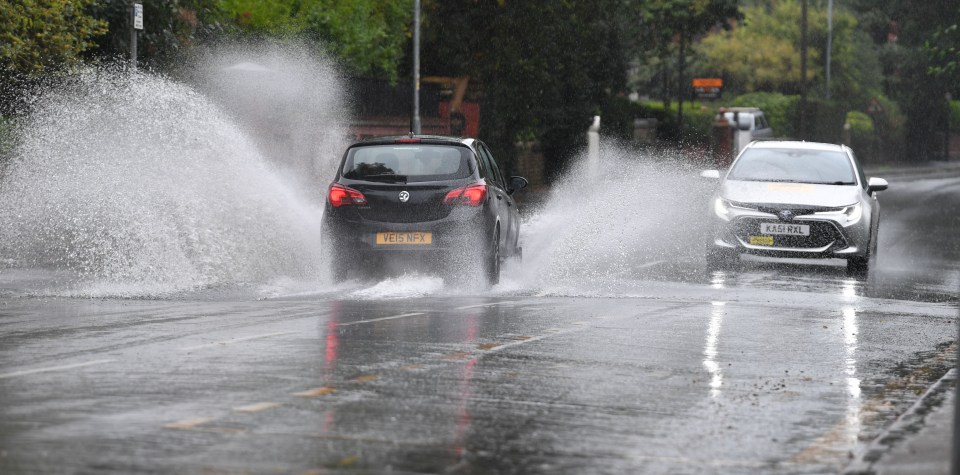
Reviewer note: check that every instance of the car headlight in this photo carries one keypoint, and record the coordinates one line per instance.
(722, 208)
(853, 213)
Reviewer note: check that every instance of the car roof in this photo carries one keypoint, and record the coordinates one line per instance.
(797, 144)
(428, 139)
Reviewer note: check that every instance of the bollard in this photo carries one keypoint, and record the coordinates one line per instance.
(593, 146)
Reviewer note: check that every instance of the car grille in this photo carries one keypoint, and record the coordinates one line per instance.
(822, 233)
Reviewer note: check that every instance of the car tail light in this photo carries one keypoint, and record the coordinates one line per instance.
(340, 195)
(408, 140)
(470, 195)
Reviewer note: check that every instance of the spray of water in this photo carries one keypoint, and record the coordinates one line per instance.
(638, 212)
(639, 218)
(144, 186)
(140, 185)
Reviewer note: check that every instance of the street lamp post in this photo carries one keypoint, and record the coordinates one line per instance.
(415, 120)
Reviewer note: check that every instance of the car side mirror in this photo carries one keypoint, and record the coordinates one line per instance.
(518, 183)
(715, 174)
(876, 184)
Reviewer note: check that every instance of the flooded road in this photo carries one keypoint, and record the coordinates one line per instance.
(780, 366)
(165, 308)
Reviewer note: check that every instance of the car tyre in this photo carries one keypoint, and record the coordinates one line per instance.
(858, 266)
(493, 261)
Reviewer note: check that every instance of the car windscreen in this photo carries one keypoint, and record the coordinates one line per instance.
(407, 163)
(794, 165)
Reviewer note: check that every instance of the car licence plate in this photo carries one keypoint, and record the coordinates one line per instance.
(388, 238)
(785, 229)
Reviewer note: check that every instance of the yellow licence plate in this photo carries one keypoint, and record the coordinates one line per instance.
(761, 240)
(404, 238)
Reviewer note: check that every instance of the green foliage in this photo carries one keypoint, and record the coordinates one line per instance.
(955, 116)
(863, 136)
(169, 28)
(7, 143)
(368, 36)
(763, 54)
(546, 67)
(696, 123)
(37, 35)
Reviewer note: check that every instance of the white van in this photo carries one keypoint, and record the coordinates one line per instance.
(750, 125)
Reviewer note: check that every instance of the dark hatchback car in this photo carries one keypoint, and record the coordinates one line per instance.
(421, 200)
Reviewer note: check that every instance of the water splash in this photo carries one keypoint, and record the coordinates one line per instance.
(642, 210)
(143, 186)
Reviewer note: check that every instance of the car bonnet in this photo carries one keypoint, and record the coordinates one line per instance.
(805, 194)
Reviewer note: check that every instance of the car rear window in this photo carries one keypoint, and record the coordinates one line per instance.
(793, 165)
(407, 162)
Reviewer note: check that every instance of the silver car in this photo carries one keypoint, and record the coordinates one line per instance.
(795, 199)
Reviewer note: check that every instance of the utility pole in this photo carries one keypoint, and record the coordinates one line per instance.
(829, 42)
(415, 120)
(681, 87)
(802, 127)
(136, 23)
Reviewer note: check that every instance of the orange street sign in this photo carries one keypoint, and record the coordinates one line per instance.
(706, 83)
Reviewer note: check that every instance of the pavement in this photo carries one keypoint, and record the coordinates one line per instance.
(920, 441)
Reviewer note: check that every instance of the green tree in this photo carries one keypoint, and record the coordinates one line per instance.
(368, 36)
(907, 32)
(37, 35)
(545, 67)
(665, 23)
(169, 28)
(763, 53)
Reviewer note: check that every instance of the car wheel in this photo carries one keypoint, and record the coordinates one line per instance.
(858, 265)
(337, 262)
(493, 261)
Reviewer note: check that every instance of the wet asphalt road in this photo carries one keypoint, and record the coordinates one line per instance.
(778, 367)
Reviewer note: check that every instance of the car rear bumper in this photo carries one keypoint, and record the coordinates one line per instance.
(463, 229)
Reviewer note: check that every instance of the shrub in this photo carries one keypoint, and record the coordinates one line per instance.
(863, 136)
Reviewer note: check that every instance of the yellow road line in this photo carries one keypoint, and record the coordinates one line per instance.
(315, 392)
(260, 406)
(188, 424)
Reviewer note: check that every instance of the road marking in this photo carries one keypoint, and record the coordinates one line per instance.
(188, 424)
(365, 378)
(235, 340)
(54, 368)
(394, 317)
(649, 264)
(260, 406)
(315, 392)
(485, 305)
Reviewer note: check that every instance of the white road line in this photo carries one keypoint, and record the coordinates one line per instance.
(54, 368)
(649, 264)
(485, 305)
(235, 340)
(394, 317)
